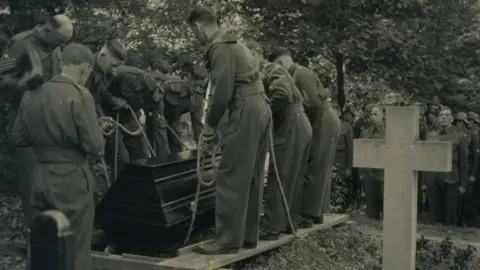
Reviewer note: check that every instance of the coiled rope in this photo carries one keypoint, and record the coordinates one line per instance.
(202, 182)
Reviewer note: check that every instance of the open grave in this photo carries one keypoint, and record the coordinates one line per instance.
(147, 211)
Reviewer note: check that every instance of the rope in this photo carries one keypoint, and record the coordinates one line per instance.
(202, 182)
(139, 132)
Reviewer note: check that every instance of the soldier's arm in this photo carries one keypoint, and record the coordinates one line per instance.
(277, 94)
(463, 161)
(306, 82)
(222, 65)
(349, 146)
(88, 129)
(10, 63)
(19, 132)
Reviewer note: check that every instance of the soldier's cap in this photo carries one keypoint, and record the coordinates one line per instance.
(474, 117)
(117, 48)
(348, 109)
(202, 14)
(253, 45)
(279, 52)
(368, 107)
(461, 116)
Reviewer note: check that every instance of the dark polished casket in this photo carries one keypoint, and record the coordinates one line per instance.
(150, 203)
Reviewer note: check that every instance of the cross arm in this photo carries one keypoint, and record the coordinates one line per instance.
(431, 156)
(369, 153)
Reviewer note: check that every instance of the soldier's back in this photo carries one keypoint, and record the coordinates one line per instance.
(48, 112)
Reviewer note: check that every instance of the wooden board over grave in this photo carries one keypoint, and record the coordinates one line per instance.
(194, 261)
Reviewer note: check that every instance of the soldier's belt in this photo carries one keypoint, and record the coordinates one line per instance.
(249, 90)
(59, 155)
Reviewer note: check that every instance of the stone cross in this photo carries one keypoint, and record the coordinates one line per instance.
(401, 155)
(51, 242)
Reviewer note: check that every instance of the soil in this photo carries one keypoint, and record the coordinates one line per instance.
(355, 245)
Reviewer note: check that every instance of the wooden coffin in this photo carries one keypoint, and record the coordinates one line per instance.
(150, 203)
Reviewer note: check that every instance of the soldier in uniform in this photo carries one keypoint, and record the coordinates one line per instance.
(444, 188)
(474, 120)
(59, 122)
(373, 179)
(344, 153)
(467, 214)
(156, 122)
(326, 132)
(237, 90)
(32, 57)
(112, 55)
(184, 95)
(292, 138)
(135, 86)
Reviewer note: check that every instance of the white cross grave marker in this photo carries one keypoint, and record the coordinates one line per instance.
(401, 155)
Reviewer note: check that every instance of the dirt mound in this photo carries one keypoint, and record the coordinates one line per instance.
(345, 247)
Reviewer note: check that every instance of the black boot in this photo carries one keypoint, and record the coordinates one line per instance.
(213, 248)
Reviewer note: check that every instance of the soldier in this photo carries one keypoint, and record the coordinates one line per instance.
(474, 120)
(59, 122)
(344, 153)
(112, 55)
(236, 87)
(373, 179)
(292, 138)
(348, 116)
(444, 188)
(134, 86)
(468, 125)
(326, 132)
(184, 95)
(156, 122)
(32, 57)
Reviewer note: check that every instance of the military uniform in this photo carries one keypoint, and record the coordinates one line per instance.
(59, 122)
(181, 97)
(326, 133)
(156, 122)
(237, 90)
(292, 138)
(130, 84)
(28, 52)
(373, 179)
(442, 188)
(344, 154)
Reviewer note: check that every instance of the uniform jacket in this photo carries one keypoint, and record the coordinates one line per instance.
(459, 173)
(59, 121)
(285, 98)
(234, 73)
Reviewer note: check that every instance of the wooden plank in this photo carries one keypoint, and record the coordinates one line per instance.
(195, 261)
(104, 261)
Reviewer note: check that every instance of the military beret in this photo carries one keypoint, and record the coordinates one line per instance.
(474, 117)
(202, 14)
(278, 52)
(461, 116)
(254, 46)
(117, 48)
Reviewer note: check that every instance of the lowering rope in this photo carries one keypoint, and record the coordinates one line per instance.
(117, 127)
(202, 182)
